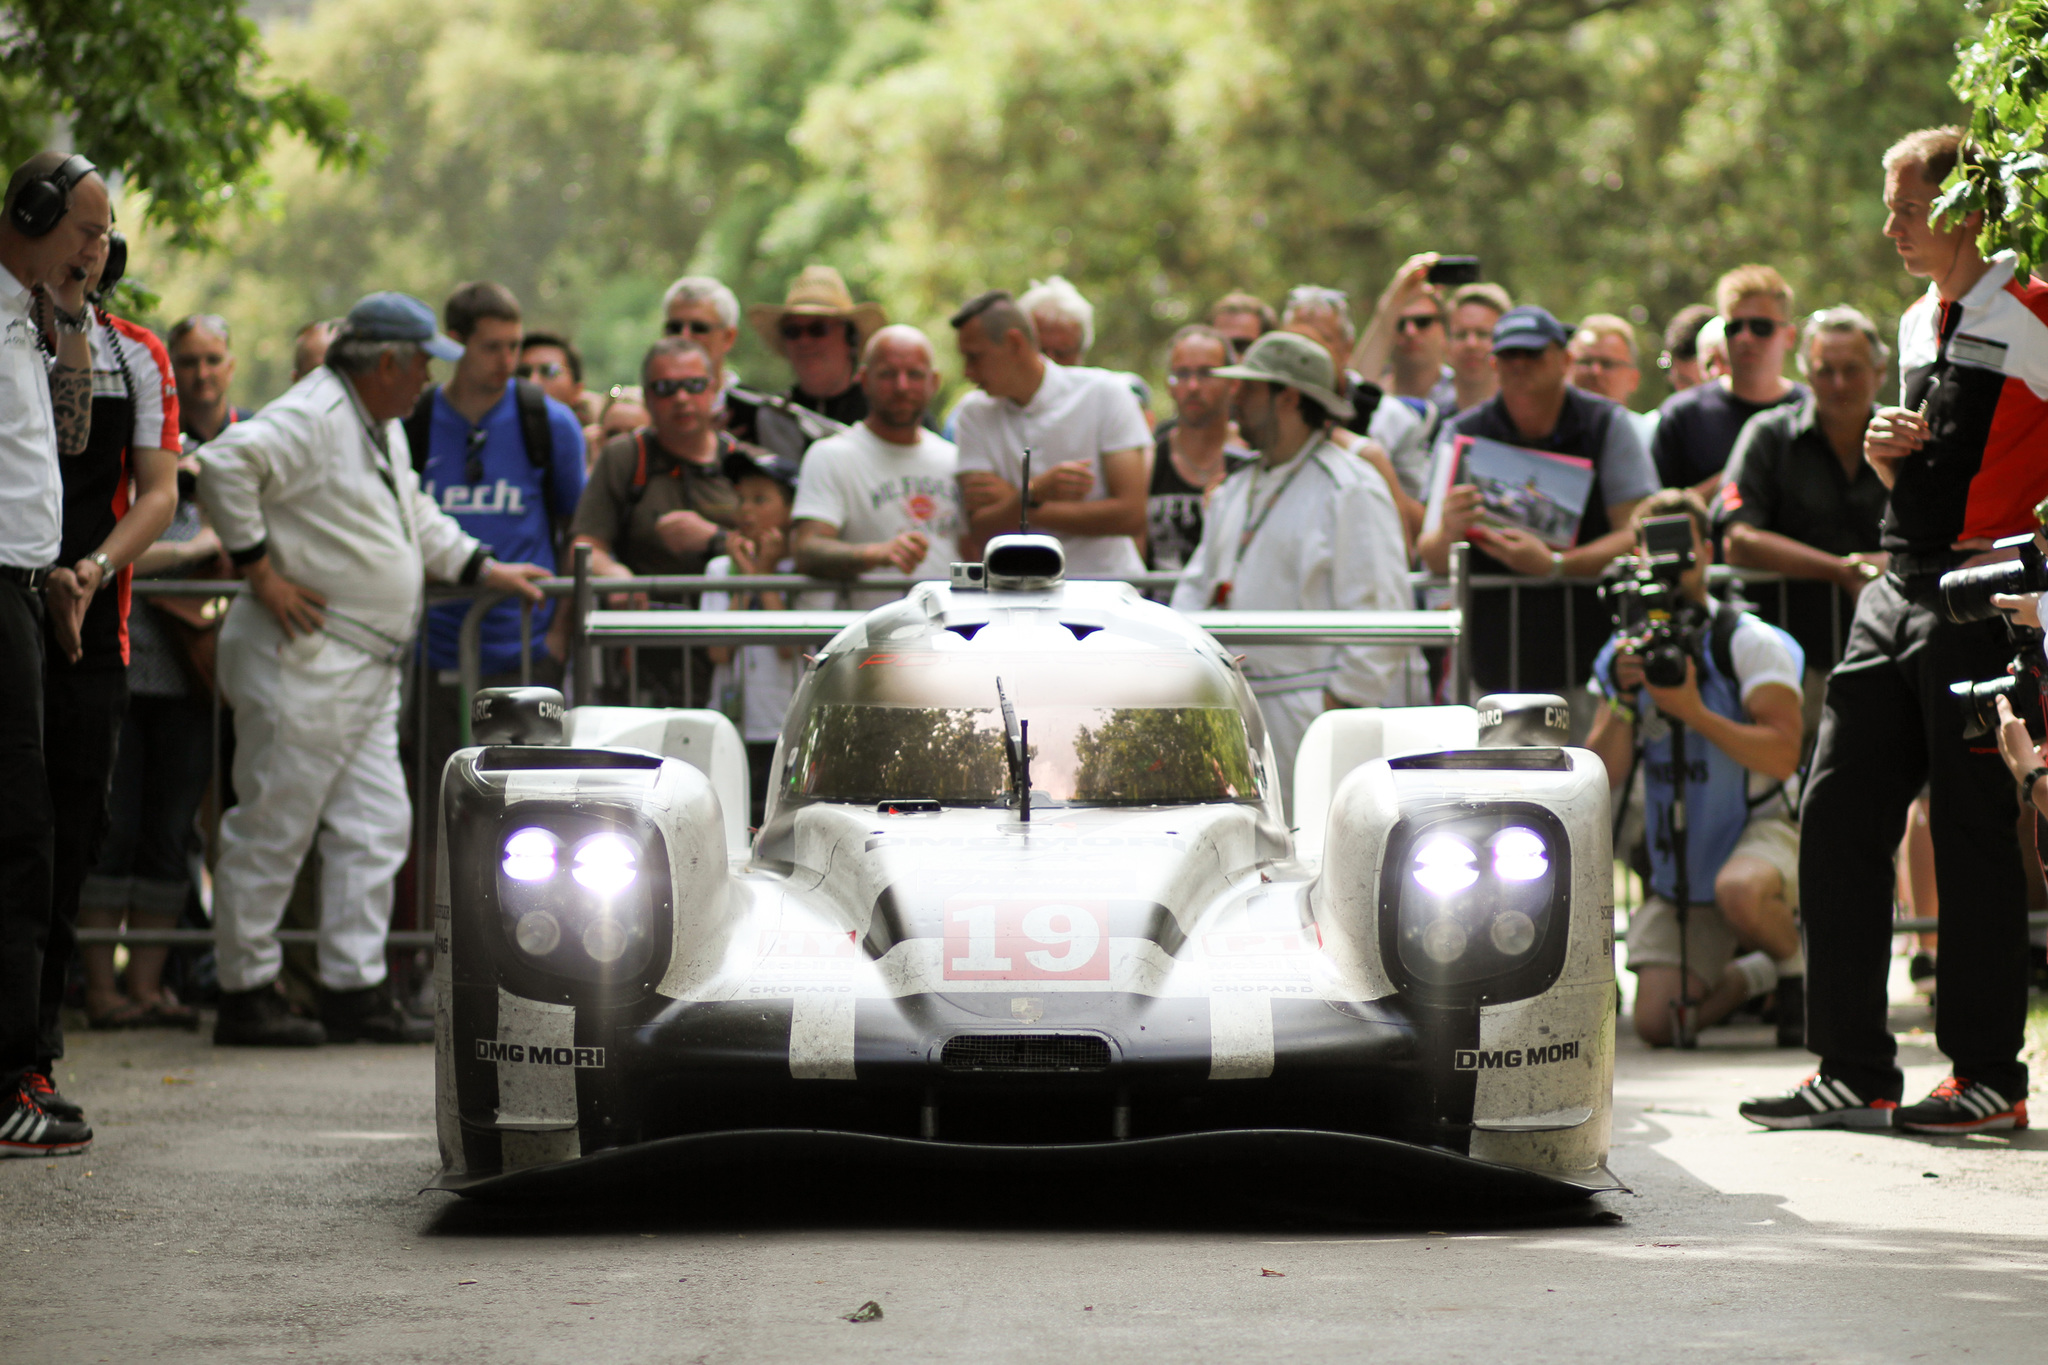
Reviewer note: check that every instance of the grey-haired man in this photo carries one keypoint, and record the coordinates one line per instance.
(1311, 527)
(316, 501)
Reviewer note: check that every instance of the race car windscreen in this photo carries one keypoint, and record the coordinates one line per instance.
(1083, 755)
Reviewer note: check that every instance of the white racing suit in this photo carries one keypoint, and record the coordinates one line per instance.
(1332, 542)
(316, 718)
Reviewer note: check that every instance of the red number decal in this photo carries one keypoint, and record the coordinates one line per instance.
(1026, 940)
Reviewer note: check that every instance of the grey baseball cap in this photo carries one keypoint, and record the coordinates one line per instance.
(1295, 362)
(389, 316)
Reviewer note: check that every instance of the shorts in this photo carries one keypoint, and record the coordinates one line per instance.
(1710, 944)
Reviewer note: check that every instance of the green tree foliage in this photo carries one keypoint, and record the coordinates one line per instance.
(1610, 154)
(171, 93)
(2004, 79)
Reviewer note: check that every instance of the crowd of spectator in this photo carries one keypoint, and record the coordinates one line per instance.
(1307, 462)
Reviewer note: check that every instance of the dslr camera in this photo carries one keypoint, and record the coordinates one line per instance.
(1652, 615)
(1966, 596)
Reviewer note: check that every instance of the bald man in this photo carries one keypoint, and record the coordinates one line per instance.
(881, 498)
(53, 244)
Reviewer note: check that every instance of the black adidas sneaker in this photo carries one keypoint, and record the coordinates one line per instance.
(1960, 1106)
(28, 1129)
(1819, 1102)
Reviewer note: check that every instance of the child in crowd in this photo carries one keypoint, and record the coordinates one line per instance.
(753, 684)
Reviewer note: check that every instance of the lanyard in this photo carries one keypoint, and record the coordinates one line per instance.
(380, 458)
(1253, 524)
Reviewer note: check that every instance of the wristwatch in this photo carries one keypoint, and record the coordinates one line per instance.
(1556, 564)
(99, 557)
(74, 323)
(2027, 786)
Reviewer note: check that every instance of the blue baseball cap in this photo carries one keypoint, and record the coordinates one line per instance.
(1528, 328)
(390, 316)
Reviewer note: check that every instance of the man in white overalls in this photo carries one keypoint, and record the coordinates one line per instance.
(316, 501)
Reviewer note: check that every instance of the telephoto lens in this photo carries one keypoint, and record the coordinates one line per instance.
(1978, 702)
(1966, 593)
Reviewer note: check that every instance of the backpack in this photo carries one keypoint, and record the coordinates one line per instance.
(534, 432)
(1720, 644)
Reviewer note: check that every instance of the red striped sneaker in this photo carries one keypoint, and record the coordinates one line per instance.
(28, 1129)
(1819, 1102)
(1960, 1106)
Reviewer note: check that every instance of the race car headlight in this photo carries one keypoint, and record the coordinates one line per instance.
(576, 894)
(1474, 906)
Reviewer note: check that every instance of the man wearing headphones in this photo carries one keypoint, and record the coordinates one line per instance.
(53, 239)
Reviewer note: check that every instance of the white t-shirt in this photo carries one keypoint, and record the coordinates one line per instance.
(1078, 413)
(874, 490)
(764, 680)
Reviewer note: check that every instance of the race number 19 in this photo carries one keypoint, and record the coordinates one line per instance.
(1026, 940)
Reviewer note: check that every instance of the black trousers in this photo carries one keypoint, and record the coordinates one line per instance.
(82, 714)
(26, 832)
(1889, 725)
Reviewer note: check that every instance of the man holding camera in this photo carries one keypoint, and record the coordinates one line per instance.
(1966, 461)
(1738, 703)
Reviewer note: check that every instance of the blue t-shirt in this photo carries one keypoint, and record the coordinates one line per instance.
(1717, 787)
(505, 511)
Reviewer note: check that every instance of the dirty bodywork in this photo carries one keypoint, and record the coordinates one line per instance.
(912, 956)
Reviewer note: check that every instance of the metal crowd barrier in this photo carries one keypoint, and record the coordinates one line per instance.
(593, 629)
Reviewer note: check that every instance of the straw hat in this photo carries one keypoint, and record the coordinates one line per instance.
(817, 293)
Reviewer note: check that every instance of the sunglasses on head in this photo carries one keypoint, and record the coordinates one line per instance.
(1763, 329)
(473, 457)
(696, 327)
(669, 388)
(551, 369)
(817, 329)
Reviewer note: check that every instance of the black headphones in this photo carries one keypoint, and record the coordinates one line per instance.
(43, 201)
(116, 266)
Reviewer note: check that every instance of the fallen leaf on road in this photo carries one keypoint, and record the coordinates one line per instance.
(867, 1312)
(177, 1080)
(1276, 1274)
(465, 1282)
(1930, 1175)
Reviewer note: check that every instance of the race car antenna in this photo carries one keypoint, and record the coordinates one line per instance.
(1016, 739)
(1024, 498)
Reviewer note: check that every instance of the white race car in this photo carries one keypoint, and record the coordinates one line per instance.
(1025, 893)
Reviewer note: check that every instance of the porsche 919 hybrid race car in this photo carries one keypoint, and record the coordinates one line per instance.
(1025, 891)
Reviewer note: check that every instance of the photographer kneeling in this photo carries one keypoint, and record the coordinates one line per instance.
(1737, 716)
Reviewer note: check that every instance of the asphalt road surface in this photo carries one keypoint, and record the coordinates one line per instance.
(243, 1205)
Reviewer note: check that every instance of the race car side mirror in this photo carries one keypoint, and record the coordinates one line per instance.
(1513, 720)
(516, 715)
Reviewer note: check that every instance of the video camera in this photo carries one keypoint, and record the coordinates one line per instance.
(1651, 613)
(1966, 596)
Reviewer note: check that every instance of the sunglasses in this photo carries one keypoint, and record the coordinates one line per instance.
(817, 330)
(473, 457)
(696, 327)
(669, 388)
(1422, 322)
(1763, 329)
(1191, 374)
(552, 369)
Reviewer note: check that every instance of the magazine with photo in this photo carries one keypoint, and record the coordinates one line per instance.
(1531, 490)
